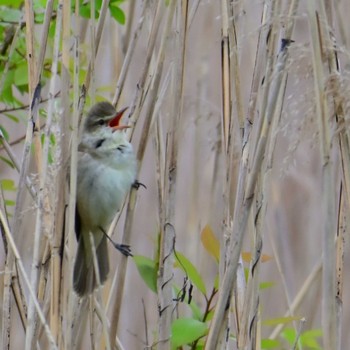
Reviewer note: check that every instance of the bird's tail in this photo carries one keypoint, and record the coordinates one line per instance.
(84, 278)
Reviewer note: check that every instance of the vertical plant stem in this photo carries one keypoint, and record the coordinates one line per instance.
(240, 225)
(128, 56)
(328, 189)
(116, 299)
(39, 227)
(13, 247)
(167, 239)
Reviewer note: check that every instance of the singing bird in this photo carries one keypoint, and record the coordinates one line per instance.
(106, 171)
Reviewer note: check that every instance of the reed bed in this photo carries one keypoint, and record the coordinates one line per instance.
(239, 116)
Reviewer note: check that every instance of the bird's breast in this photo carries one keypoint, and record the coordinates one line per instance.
(101, 189)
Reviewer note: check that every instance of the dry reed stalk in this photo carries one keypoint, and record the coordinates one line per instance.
(44, 217)
(167, 231)
(129, 22)
(236, 131)
(6, 300)
(341, 231)
(250, 307)
(33, 79)
(129, 54)
(138, 99)
(338, 97)
(243, 165)
(328, 185)
(93, 302)
(13, 247)
(252, 295)
(241, 224)
(70, 307)
(116, 293)
(31, 56)
(225, 75)
(97, 41)
(57, 296)
(227, 123)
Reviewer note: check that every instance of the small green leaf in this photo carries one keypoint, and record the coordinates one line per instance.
(217, 282)
(196, 311)
(6, 95)
(190, 270)
(270, 344)
(85, 9)
(309, 339)
(185, 331)
(12, 3)
(10, 15)
(9, 203)
(210, 242)
(21, 75)
(53, 139)
(7, 161)
(8, 185)
(148, 271)
(4, 133)
(117, 13)
(289, 334)
(39, 17)
(210, 315)
(40, 4)
(12, 117)
(280, 320)
(266, 285)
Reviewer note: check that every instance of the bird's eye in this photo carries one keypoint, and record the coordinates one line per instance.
(100, 122)
(99, 143)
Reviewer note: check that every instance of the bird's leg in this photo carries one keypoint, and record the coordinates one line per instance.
(123, 248)
(137, 184)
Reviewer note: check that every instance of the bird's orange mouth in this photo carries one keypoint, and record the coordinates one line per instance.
(114, 122)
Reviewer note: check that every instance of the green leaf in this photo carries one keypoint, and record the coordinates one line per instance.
(280, 320)
(190, 270)
(12, 117)
(270, 344)
(85, 9)
(39, 17)
(309, 338)
(53, 139)
(8, 185)
(117, 13)
(210, 242)
(186, 330)
(9, 203)
(148, 271)
(7, 161)
(10, 76)
(289, 334)
(196, 311)
(12, 3)
(266, 285)
(4, 132)
(8, 14)
(21, 75)
(40, 4)
(217, 282)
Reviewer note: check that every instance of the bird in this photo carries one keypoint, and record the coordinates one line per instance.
(106, 171)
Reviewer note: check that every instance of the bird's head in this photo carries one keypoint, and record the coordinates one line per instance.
(103, 116)
(102, 131)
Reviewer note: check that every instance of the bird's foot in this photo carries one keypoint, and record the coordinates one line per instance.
(137, 184)
(123, 248)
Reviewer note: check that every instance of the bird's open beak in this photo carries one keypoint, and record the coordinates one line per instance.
(114, 122)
